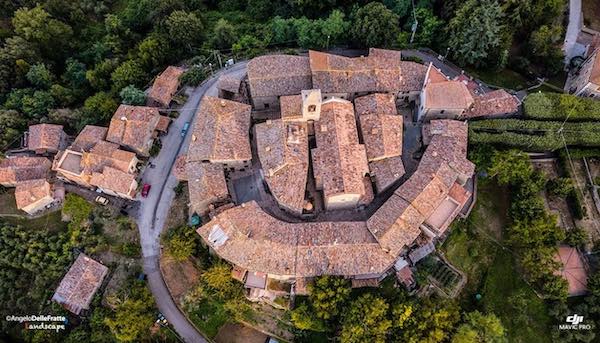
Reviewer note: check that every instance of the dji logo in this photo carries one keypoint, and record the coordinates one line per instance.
(575, 319)
(575, 323)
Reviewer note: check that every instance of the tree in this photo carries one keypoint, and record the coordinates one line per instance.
(131, 95)
(218, 279)
(133, 316)
(37, 26)
(373, 25)
(11, 124)
(153, 50)
(560, 187)
(185, 29)
(541, 231)
(223, 34)
(99, 108)
(193, 76)
(38, 104)
(429, 27)
(366, 320)
(304, 318)
(75, 74)
(475, 32)
(181, 242)
(431, 322)
(576, 237)
(101, 74)
(510, 166)
(482, 328)
(248, 46)
(40, 76)
(544, 40)
(328, 294)
(128, 73)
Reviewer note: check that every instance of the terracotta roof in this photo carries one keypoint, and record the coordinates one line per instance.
(250, 238)
(133, 127)
(378, 72)
(413, 76)
(165, 86)
(440, 93)
(338, 160)
(274, 75)
(206, 183)
(46, 137)
(493, 103)
(283, 153)
(386, 171)
(88, 137)
(238, 273)
(31, 191)
(291, 107)
(163, 123)
(359, 283)
(23, 168)
(107, 154)
(423, 191)
(572, 270)
(115, 180)
(380, 125)
(228, 83)
(77, 288)
(395, 224)
(221, 132)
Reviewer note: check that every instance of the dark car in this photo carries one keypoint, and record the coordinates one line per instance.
(146, 190)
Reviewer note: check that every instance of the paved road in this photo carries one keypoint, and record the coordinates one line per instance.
(154, 209)
(573, 29)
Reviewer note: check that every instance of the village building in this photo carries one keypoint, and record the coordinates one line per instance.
(77, 288)
(165, 87)
(497, 103)
(584, 81)
(272, 76)
(339, 162)
(228, 87)
(221, 134)
(14, 170)
(105, 166)
(206, 183)
(33, 196)
(45, 138)
(443, 98)
(381, 128)
(135, 128)
(283, 153)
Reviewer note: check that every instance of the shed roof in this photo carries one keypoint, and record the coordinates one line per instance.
(77, 288)
(31, 191)
(46, 136)
(165, 86)
(133, 126)
(23, 168)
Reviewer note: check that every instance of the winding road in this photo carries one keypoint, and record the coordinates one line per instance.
(155, 208)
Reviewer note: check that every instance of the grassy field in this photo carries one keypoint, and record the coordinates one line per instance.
(475, 246)
(51, 220)
(210, 317)
(505, 78)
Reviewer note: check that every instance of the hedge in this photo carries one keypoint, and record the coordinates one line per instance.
(534, 135)
(554, 106)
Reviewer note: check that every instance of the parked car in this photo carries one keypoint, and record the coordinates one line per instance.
(101, 200)
(146, 190)
(186, 126)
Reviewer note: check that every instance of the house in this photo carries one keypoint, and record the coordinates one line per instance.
(283, 153)
(443, 98)
(339, 162)
(14, 170)
(88, 137)
(78, 286)
(45, 138)
(221, 134)
(305, 106)
(572, 270)
(104, 166)
(206, 183)
(497, 103)
(381, 129)
(272, 76)
(228, 86)
(135, 128)
(585, 80)
(164, 87)
(34, 195)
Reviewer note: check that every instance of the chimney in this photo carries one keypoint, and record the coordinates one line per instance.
(222, 103)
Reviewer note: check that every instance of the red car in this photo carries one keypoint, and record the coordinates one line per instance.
(145, 190)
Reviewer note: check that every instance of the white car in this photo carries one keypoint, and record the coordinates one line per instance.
(102, 200)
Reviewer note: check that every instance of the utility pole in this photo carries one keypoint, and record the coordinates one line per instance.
(218, 57)
(415, 24)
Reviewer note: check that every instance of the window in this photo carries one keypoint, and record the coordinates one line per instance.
(312, 108)
(442, 111)
(266, 106)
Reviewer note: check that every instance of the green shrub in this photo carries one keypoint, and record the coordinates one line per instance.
(576, 237)
(560, 187)
(194, 76)
(532, 135)
(575, 205)
(554, 106)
